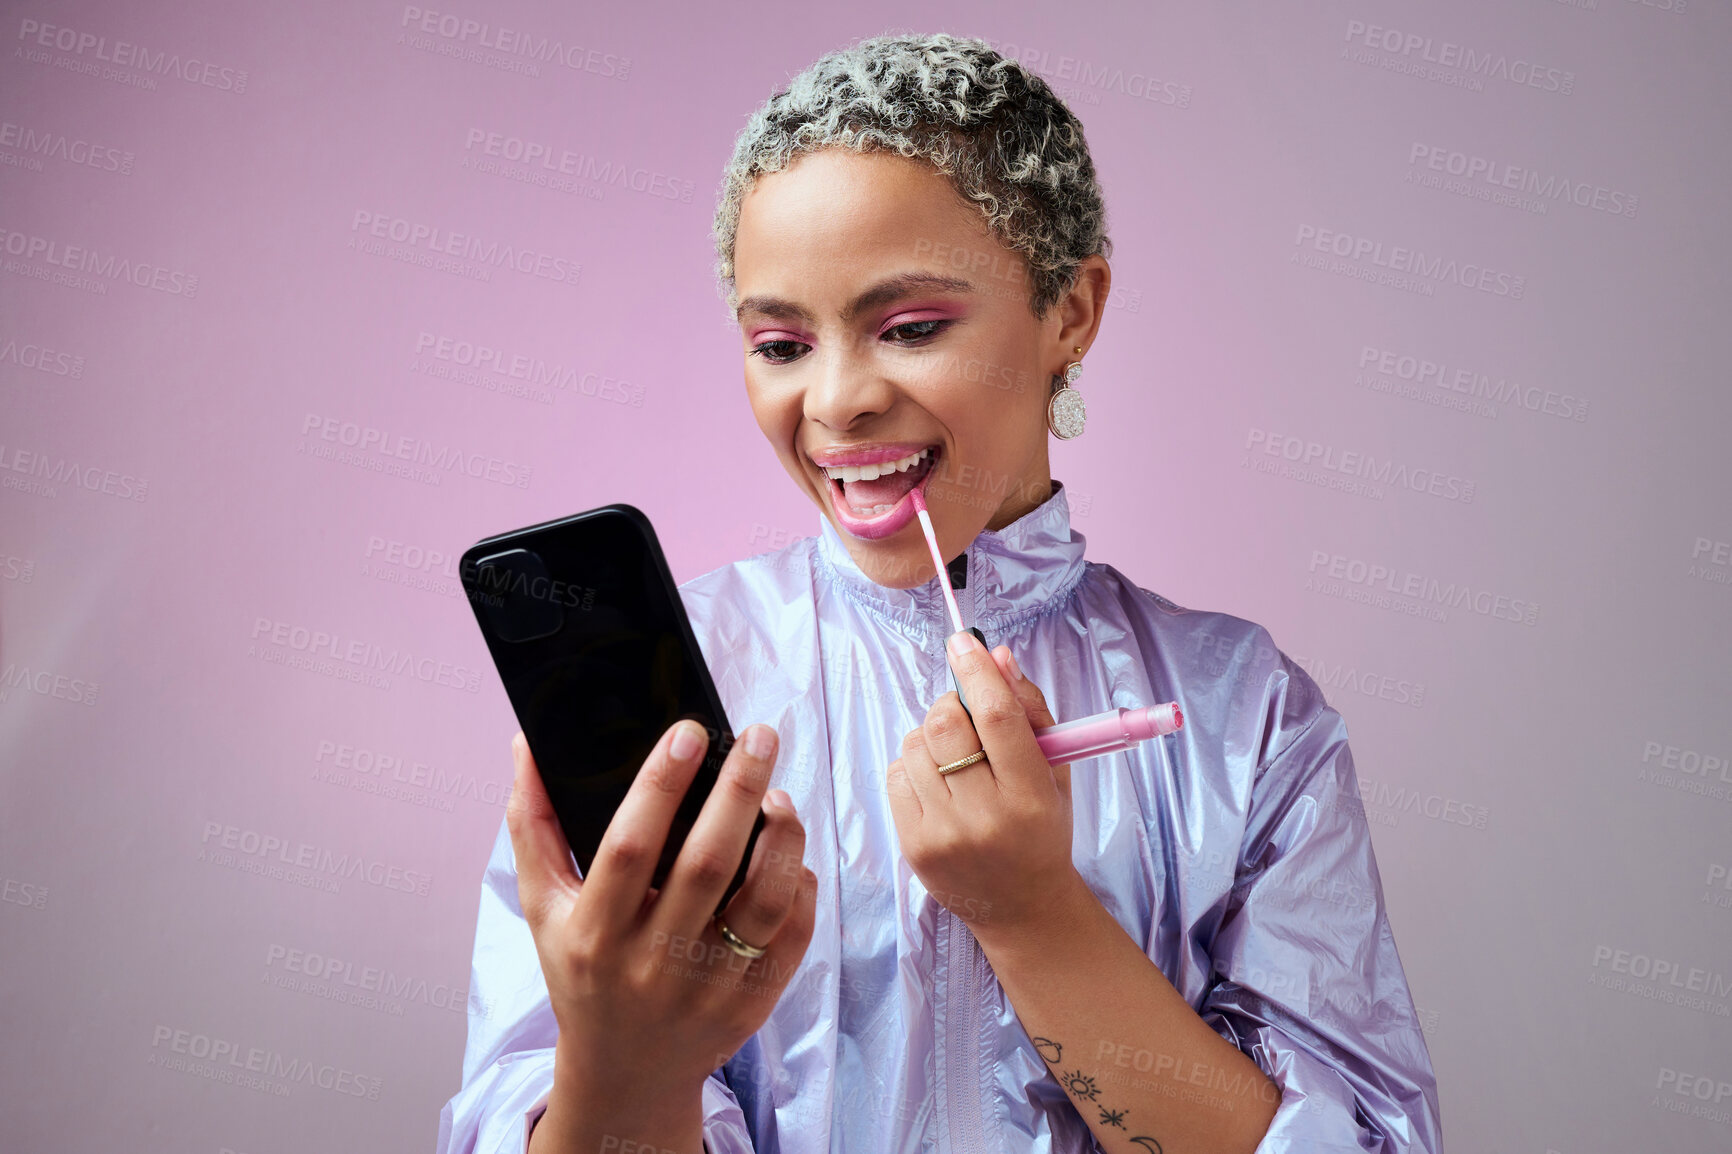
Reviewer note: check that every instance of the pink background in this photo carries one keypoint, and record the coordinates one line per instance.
(1550, 801)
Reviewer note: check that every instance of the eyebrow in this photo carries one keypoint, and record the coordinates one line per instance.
(885, 291)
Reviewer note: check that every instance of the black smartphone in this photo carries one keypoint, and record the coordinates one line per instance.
(586, 628)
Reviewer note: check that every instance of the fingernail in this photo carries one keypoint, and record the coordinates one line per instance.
(960, 641)
(760, 742)
(686, 742)
(1015, 669)
(780, 799)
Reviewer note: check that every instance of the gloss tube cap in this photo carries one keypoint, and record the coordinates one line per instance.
(1155, 721)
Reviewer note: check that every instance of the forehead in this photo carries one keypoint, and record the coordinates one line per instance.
(835, 205)
(834, 220)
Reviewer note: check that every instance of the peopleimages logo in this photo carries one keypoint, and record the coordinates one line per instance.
(364, 656)
(425, 244)
(1090, 78)
(1388, 586)
(411, 567)
(1410, 262)
(226, 845)
(533, 373)
(107, 267)
(45, 683)
(1371, 683)
(1384, 804)
(1692, 1095)
(525, 47)
(1711, 561)
(1496, 175)
(89, 46)
(39, 358)
(1690, 762)
(1473, 385)
(1417, 52)
(557, 161)
(224, 1060)
(342, 980)
(414, 457)
(1330, 463)
(41, 473)
(40, 143)
(1692, 979)
(391, 775)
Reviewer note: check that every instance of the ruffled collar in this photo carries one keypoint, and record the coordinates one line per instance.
(1022, 571)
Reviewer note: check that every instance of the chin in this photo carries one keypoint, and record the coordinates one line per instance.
(891, 567)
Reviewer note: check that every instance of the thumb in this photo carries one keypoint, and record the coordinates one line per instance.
(545, 871)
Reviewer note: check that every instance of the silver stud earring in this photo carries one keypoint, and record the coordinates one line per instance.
(1065, 412)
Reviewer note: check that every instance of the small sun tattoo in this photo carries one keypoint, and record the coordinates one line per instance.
(1112, 1118)
(1049, 1049)
(1080, 1084)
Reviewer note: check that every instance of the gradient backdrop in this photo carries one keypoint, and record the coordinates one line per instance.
(1416, 354)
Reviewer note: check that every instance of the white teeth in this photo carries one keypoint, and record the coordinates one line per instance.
(872, 472)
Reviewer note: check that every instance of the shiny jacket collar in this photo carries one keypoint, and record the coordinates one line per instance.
(1022, 571)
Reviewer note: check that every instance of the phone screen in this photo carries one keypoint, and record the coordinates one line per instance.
(598, 658)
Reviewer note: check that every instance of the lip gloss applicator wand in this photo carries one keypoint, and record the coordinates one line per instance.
(1109, 732)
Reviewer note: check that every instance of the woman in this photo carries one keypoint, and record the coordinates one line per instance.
(1179, 947)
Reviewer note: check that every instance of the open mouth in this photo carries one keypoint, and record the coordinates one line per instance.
(867, 492)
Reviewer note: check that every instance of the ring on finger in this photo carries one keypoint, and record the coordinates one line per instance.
(962, 762)
(736, 943)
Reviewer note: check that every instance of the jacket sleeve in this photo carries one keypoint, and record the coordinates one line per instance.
(508, 1059)
(1308, 981)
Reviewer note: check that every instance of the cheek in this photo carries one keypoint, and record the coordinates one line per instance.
(776, 412)
(1000, 432)
(982, 398)
(778, 417)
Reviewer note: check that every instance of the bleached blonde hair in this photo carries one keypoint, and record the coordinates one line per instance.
(996, 131)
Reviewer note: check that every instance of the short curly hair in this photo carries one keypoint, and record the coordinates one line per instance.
(995, 130)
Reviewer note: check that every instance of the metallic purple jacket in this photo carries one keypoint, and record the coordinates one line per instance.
(1236, 852)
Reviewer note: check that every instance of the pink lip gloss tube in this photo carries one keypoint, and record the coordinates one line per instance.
(1109, 732)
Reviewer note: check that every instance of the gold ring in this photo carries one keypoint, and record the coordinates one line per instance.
(962, 763)
(736, 943)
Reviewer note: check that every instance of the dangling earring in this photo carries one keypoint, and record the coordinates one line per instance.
(1065, 413)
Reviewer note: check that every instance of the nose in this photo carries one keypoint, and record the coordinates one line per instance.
(846, 386)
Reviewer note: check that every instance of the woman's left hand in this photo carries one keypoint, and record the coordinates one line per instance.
(991, 841)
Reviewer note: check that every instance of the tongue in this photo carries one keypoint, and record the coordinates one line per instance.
(863, 496)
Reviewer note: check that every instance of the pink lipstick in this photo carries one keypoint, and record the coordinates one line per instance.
(1110, 732)
(901, 510)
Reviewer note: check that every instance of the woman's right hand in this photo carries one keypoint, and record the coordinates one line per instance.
(648, 997)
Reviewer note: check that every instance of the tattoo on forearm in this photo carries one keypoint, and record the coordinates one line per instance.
(1080, 1085)
(1083, 1088)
